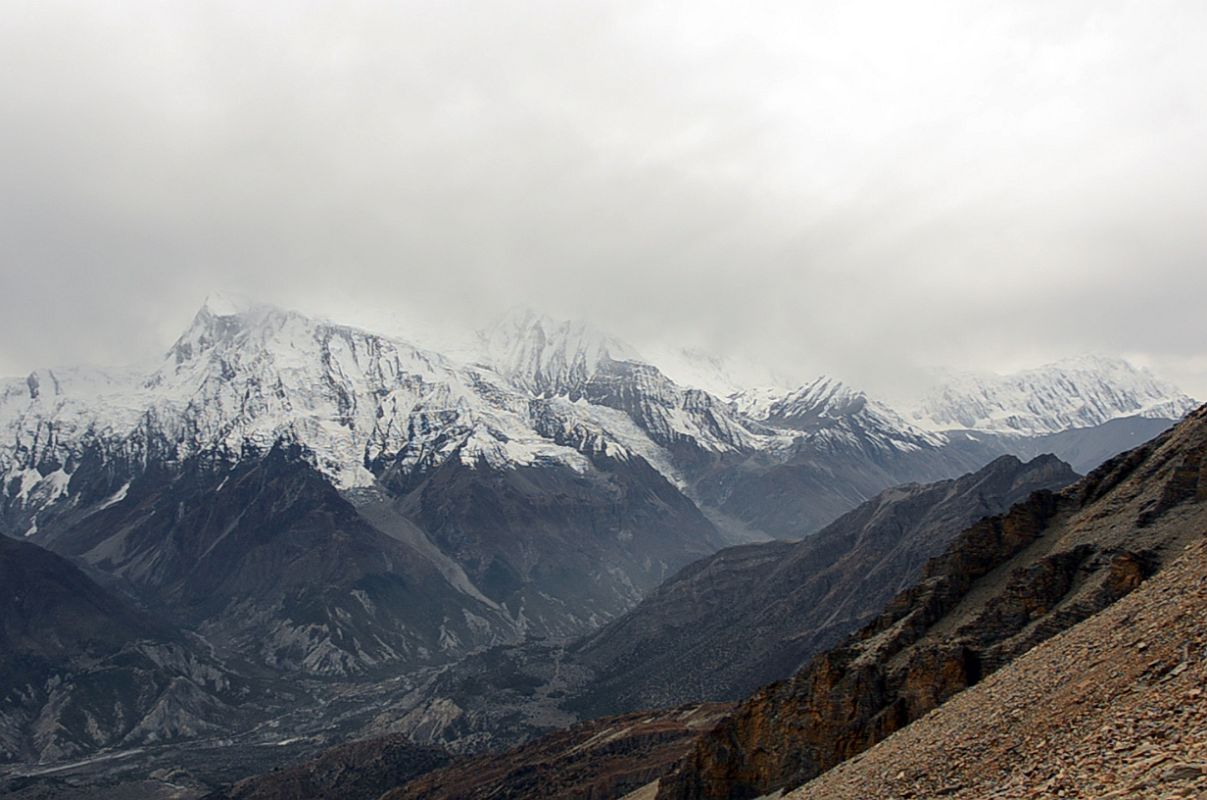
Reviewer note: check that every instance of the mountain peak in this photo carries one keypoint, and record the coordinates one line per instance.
(226, 304)
(547, 356)
(1076, 392)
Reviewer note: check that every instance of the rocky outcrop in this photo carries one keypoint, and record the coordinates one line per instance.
(1005, 585)
(1112, 708)
(356, 771)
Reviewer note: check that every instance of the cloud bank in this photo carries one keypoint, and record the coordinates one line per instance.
(858, 188)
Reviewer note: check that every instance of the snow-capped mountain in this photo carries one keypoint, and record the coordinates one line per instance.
(308, 497)
(445, 474)
(250, 377)
(541, 486)
(548, 357)
(828, 410)
(540, 392)
(576, 362)
(1079, 392)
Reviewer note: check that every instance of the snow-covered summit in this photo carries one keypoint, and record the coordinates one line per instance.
(830, 409)
(722, 376)
(252, 376)
(227, 304)
(546, 356)
(541, 391)
(1078, 392)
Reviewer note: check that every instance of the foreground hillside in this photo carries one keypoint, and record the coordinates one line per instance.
(1006, 585)
(1112, 708)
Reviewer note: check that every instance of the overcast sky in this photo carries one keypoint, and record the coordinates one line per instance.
(851, 187)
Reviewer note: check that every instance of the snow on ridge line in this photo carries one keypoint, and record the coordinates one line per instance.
(1073, 393)
(352, 397)
(348, 396)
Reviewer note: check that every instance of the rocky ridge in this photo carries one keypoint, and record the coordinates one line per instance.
(746, 616)
(82, 669)
(1004, 586)
(1111, 708)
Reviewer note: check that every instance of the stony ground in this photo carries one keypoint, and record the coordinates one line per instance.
(1115, 707)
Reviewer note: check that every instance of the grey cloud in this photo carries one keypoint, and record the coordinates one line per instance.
(858, 188)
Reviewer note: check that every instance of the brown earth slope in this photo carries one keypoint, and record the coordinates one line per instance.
(1004, 586)
(1115, 707)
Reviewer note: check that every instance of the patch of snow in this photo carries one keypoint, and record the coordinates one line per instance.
(116, 498)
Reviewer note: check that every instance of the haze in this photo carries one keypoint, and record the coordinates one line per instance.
(859, 188)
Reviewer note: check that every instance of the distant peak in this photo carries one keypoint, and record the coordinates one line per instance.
(1076, 392)
(1098, 362)
(525, 325)
(546, 355)
(220, 317)
(226, 304)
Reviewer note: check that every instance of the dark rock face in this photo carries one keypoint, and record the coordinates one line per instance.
(603, 758)
(569, 551)
(357, 771)
(82, 669)
(51, 609)
(268, 559)
(1006, 584)
(749, 615)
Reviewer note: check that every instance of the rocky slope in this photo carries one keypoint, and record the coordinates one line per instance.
(1111, 708)
(719, 629)
(733, 605)
(81, 669)
(604, 758)
(269, 561)
(1005, 585)
(729, 623)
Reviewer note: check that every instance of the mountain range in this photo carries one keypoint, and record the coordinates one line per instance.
(280, 497)
(1054, 649)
